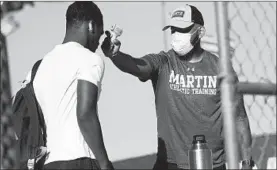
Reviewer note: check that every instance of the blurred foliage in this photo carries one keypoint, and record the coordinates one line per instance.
(12, 6)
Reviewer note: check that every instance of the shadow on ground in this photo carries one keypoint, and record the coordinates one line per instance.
(263, 148)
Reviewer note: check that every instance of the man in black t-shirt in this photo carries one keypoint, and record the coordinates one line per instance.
(187, 92)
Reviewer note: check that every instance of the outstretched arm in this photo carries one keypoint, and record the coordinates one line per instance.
(143, 67)
(131, 65)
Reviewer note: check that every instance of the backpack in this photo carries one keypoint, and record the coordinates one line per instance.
(29, 127)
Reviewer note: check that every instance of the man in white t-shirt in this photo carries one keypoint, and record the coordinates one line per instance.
(67, 86)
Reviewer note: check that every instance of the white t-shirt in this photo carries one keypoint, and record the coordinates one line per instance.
(55, 86)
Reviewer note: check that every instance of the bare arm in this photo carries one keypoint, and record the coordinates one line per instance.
(87, 94)
(245, 138)
(128, 64)
(242, 125)
(243, 128)
(143, 67)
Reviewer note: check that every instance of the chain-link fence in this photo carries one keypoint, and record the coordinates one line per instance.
(253, 34)
(253, 30)
(8, 155)
(7, 136)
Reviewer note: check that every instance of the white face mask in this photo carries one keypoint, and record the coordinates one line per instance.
(181, 43)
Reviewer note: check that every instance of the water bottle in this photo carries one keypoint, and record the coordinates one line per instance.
(200, 156)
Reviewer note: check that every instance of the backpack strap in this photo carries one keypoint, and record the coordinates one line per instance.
(19, 97)
(34, 70)
(40, 115)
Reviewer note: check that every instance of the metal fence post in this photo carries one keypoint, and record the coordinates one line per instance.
(227, 85)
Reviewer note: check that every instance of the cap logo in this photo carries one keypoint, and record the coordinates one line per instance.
(178, 14)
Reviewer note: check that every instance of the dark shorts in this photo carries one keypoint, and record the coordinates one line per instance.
(171, 166)
(81, 163)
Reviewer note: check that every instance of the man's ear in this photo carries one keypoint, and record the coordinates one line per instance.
(201, 32)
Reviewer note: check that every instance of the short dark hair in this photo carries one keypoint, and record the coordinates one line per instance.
(81, 11)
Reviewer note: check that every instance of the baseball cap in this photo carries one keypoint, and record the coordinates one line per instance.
(184, 17)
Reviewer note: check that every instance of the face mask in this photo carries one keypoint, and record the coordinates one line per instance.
(181, 43)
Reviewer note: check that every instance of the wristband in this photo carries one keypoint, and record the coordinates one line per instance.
(249, 162)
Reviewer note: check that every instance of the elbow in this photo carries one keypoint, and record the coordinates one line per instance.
(83, 121)
(82, 115)
(143, 77)
(86, 115)
(88, 123)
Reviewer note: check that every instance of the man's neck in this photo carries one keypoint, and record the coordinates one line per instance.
(197, 55)
(74, 38)
(67, 40)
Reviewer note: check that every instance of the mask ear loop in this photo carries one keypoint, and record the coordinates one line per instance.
(202, 31)
(199, 36)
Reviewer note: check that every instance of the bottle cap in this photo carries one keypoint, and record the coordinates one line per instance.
(198, 139)
(117, 30)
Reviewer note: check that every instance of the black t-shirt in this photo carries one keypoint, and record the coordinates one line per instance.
(187, 98)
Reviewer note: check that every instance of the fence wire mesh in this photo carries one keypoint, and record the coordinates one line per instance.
(253, 30)
(7, 136)
(252, 27)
